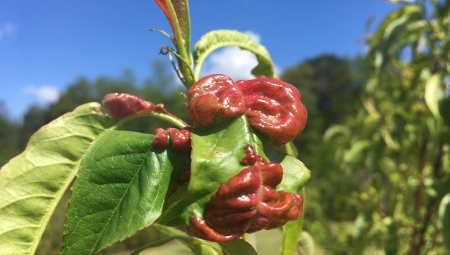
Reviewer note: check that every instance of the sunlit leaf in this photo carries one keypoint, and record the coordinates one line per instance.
(32, 183)
(434, 94)
(120, 188)
(222, 38)
(356, 150)
(335, 130)
(306, 244)
(393, 27)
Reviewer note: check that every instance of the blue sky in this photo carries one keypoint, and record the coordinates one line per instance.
(45, 45)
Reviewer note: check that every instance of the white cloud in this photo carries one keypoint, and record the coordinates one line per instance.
(232, 61)
(47, 93)
(254, 36)
(7, 29)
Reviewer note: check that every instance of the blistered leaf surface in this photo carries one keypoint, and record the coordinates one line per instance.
(272, 106)
(122, 105)
(248, 202)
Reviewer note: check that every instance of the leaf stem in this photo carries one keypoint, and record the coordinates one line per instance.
(163, 116)
(170, 238)
(185, 56)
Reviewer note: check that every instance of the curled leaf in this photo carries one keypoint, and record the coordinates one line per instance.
(179, 139)
(122, 105)
(214, 94)
(222, 38)
(247, 203)
(272, 106)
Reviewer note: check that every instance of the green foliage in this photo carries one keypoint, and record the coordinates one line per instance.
(32, 183)
(398, 144)
(8, 136)
(121, 176)
(222, 38)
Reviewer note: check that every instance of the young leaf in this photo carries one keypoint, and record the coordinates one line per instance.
(181, 9)
(121, 188)
(177, 12)
(306, 244)
(392, 27)
(222, 38)
(434, 94)
(32, 183)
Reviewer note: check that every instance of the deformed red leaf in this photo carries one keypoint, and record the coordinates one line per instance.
(247, 203)
(211, 95)
(179, 139)
(163, 6)
(182, 15)
(272, 106)
(121, 105)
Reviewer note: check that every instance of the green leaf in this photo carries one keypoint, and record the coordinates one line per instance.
(216, 161)
(444, 216)
(196, 245)
(334, 131)
(121, 188)
(291, 149)
(357, 150)
(306, 244)
(434, 94)
(32, 183)
(295, 174)
(222, 38)
(396, 17)
(393, 27)
(237, 247)
(291, 235)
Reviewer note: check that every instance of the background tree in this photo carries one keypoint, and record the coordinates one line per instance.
(330, 87)
(9, 137)
(399, 143)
